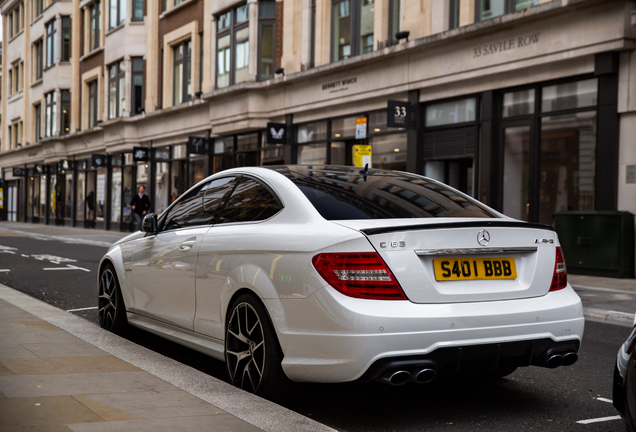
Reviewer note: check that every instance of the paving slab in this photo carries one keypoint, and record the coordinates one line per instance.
(215, 423)
(42, 411)
(15, 351)
(75, 349)
(63, 365)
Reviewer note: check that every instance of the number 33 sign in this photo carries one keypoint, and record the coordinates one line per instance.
(399, 114)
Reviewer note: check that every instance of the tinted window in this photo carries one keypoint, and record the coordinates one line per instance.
(216, 192)
(188, 211)
(341, 193)
(251, 201)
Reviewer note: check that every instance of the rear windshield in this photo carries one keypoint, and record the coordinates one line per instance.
(343, 193)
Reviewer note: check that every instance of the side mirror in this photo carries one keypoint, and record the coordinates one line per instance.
(149, 224)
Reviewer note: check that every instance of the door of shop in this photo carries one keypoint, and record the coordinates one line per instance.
(457, 173)
(12, 201)
(517, 157)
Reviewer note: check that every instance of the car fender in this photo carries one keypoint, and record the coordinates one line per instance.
(114, 257)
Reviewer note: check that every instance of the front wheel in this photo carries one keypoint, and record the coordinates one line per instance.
(111, 309)
(252, 353)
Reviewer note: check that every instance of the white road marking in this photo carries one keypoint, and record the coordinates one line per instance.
(25, 256)
(5, 271)
(82, 309)
(604, 400)
(53, 259)
(7, 248)
(68, 267)
(7, 251)
(598, 420)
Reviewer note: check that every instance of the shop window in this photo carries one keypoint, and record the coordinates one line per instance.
(344, 127)
(579, 94)
(352, 28)
(50, 126)
(94, 23)
(117, 13)
(38, 60)
(389, 151)
(311, 132)
(247, 150)
(223, 153)
(486, 9)
(266, 38)
(137, 90)
(518, 103)
(116, 90)
(66, 39)
(458, 111)
(232, 46)
(38, 8)
(37, 127)
(92, 104)
(138, 10)
(312, 154)
(65, 117)
(51, 46)
(182, 73)
(516, 171)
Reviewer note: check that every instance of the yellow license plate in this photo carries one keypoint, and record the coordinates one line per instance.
(454, 269)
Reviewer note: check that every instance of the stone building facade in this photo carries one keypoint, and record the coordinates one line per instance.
(528, 105)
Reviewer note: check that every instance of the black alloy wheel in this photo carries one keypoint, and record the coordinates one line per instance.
(111, 309)
(252, 353)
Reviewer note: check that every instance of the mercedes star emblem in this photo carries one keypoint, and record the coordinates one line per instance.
(483, 238)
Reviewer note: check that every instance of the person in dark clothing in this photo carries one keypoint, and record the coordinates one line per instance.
(140, 205)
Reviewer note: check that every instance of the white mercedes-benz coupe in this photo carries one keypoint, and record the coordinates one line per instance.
(336, 274)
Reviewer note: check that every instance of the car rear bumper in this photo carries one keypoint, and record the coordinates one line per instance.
(329, 337)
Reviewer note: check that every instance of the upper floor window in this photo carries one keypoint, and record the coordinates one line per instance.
(38, 59)
(138, 10)
(38, 8)
(94, 11)
(394, 20)
(352, 28)
(182, 73)
(266, 38)
(92, 104)
(487, 9)
(66, 39)
(137, 91)
(233, 46)
(65, 120)
(51, 46)
(117, 13)
(16, 77)
(50, 127)
(38, 121)
(16, 20)
(116, 90)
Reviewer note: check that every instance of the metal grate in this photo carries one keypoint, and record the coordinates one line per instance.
(450, 143)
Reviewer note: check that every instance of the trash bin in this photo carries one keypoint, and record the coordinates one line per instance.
(597, 243)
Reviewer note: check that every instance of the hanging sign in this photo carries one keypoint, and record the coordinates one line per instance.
(140, 154)
(98, 161)
(196, 145)
(399, 114)
(64, 165)
(162, 154)
(361, 128)
(276, 133)
(362, 155)
(18, 172)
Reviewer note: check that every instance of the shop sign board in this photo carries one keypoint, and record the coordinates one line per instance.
(18, 172)
(162, 154)
(64, 165)
(361, 128)
(98, 160)
(140, 154)
(399, 114)
(38, 170)
(196, 145)
(362, 155)
(276, 133)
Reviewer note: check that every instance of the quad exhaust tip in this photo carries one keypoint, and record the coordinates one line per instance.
(424, 376)
(560, 359)
(397, 378)
(419, 376)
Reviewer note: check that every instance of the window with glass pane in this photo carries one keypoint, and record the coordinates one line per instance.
(50, 127)
(516, 166)
(232, 46)
(94, 25)
(250, 201)
(454, 14)
(92, 104)
(312, 154)
(65, 117)
(241, 53)
(39, 59)
(394, 20)
(367, 9)
(311, 132)
(182, 75)
(342, 30)
(490, 8)
(223, 62)
(38, 7)
(352, 27)
(51, 46)
(458, 111)
(518, 103)
(38, 122)
(66, 39)
(117, 13)
(115, 195)
(267, 21)
(524, 4)
(116, 90)
(137, 85)
(138, 10)
(343, 127)
(568, 164)
(389, 151)
(579, 94)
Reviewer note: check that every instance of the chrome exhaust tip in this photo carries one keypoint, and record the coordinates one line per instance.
(397, 378)
(554, 361)
(424, 376)
(570, 358)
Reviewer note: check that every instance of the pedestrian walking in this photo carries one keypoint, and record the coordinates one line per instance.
(140, 205)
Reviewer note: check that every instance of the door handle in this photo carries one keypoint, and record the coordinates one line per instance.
(187, 245)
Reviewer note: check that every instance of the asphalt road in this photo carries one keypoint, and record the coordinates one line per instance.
(530, 399)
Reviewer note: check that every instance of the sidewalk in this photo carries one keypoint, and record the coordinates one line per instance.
(58, 372)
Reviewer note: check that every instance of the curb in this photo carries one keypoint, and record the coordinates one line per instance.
(605, 315)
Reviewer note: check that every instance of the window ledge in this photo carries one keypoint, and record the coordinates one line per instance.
(47, 68)
(176, 8)
(15, 96)
(92, 53)
(113, 30)
(15, 36)
(37, 82)
(138, 23)
(37, 18)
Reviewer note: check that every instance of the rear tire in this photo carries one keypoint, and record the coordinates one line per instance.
(253, 355)
(111, 309)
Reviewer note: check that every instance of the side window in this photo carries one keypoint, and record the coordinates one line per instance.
(216, 193)
(188, 211)
(251, 201)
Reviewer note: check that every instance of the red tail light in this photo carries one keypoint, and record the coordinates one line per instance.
(560, 276)
(360, 275)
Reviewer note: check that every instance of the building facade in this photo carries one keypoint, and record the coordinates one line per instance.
(528, 105)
